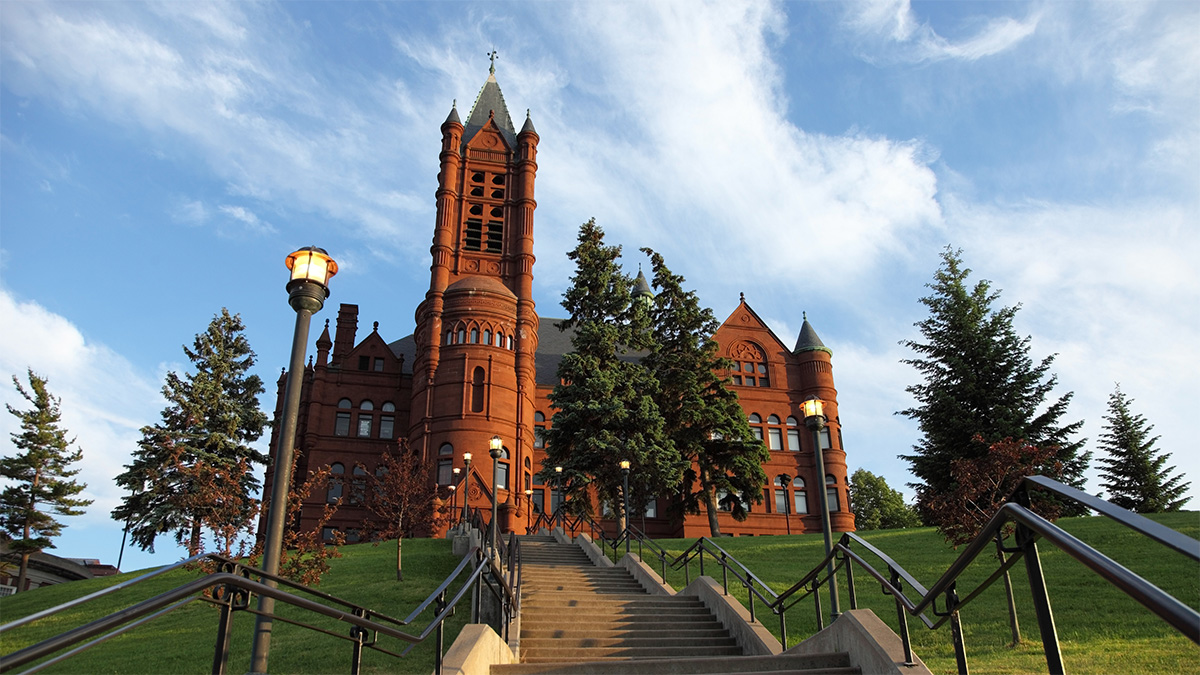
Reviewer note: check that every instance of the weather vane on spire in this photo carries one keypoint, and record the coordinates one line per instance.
(492, 56)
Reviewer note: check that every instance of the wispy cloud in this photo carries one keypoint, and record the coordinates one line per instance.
(892, 30)
(247, 218)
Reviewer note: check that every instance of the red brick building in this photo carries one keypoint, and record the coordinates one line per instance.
(481, 363)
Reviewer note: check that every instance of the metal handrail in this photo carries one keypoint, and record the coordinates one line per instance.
(234, 589)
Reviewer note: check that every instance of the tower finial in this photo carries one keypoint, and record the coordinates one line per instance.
(492, 56)
(804, 316)
(742, 297)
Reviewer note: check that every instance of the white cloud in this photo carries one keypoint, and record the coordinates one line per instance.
(104, 400)
(247, 218)
(894, 27)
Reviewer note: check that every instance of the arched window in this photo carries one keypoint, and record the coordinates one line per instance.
(461, 336)
(449, 336)
(831, 493)
(756, 425)
(774, 433)
(510, 343)
(781, 501)
(487, 337)
(799, 495)
(367, 405)
(749, 365)
(341, 425)
(446, 449)
(502, 474)
(793, 434)
(358, 486)
(336, 474)
(539, 430)
(477, 390)
(474, 336)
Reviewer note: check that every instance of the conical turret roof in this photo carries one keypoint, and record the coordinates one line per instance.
(808, 341)
(641, 287)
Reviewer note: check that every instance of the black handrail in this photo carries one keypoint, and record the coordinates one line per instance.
(233, 591)
(1029, 528)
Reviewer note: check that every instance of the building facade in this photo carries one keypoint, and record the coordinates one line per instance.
(481, 363)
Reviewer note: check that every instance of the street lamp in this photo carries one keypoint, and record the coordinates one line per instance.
(528, 508)
(625, 498)
(814, 419)
(307, 287)
(561, 496)
(784, 479)
(454, 493)
(497, 447)
(466, 489)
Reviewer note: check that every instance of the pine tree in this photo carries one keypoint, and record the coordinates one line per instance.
(41, 473)
(1133, 471)
(606, 410)
(702, 416)
(877, 506)
(979, 380)
(212, 417)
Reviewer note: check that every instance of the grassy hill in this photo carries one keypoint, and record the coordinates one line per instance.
(1101, 630)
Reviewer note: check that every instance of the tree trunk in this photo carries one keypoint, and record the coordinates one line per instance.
(710, 504)
(194, 540)
(399, 560)
(21, 576)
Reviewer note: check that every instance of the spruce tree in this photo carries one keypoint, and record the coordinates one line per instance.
(605, 403)
(41, 474)
(979, 380)
(1133, 471)
(702, 416)
(211, 419)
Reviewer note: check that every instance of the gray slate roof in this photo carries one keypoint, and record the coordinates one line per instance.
(808, 341)
(490, 101)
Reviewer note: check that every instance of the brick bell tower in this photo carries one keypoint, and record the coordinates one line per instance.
(477, 329)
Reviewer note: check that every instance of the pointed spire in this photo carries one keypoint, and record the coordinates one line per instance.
(808, 341)
(490, 105)
(323, 345)
(528, 126)
(641, 287)
(453, 116)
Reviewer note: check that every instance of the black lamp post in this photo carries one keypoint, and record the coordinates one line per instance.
(454, 493)
(311, 268)
(784, 479)
(625, 498)
(814, 419)
(528, 508)
(561, 497)
(497, 447)
(466, 489)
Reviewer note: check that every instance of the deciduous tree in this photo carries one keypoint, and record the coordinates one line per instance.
(877, 506)
(211, 419)
(702, 417)
(979, 380)
(401, 497)
(41, 473)
(606, 399)
(1133, 470)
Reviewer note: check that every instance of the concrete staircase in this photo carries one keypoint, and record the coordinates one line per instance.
(580, 618)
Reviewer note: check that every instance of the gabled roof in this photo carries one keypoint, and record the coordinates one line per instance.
(744, 316)
(490, 103)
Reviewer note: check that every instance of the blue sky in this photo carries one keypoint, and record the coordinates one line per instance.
(158, 161)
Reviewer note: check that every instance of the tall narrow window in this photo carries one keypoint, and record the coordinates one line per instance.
(495, 236)
(502, 474)
(539, 430)
(387, 423)
(774, 433)
(793, 434)
(825, 442)
(756, 425)
(474, 336)
(477, 390)
(358, 486)
(831, 493)
(337, 474)
(445, 471)
(799, 495)
(652, 508)
(474, 239)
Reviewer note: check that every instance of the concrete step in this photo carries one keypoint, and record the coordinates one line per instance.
(809, 664)
(545, 645)
(697, 630)
(618, 652)
(555, 600)
(613, 622)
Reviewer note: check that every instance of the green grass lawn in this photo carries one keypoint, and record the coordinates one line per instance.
(1100, 629)
(183, 641)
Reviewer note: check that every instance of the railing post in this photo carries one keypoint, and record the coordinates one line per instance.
(701, 561)
(816, 592)
(359, 635)
(441, 634)
(1041, 599)
(725, 579)
(960, 645)
(850, 582)
(782, 628)
(901, 617)
(1014, 625)
(224, 630)
(749, 595)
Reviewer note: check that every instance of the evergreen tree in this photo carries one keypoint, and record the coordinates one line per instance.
(702, 416)
(41, 473)
(979, 380)
(606, 409)
(1133, 471)
(877, 506)
(212, 417)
